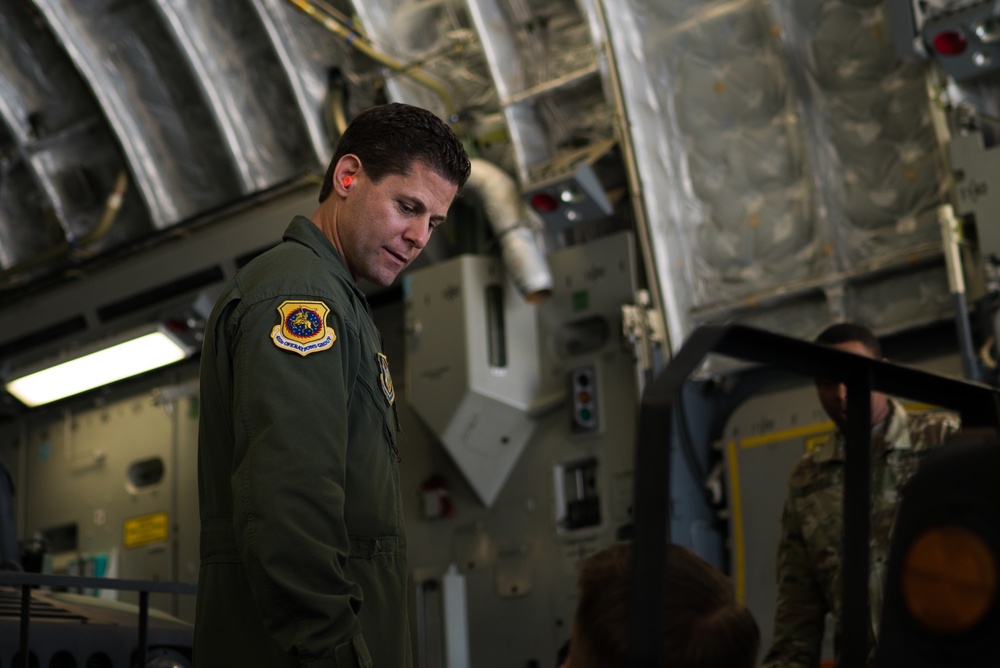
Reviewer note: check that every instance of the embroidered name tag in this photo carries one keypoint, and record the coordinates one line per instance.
(303, 328)
(384, 379)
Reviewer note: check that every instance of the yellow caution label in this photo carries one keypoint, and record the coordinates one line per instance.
(146, 529)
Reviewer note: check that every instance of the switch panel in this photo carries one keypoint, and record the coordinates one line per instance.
(583, 389)
(578, 503)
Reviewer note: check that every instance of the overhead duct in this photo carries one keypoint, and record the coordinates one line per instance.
(57, 157)
(200, 105)
(510, 220)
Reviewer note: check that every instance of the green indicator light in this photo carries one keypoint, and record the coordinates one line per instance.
(585, 414)
(581, 300)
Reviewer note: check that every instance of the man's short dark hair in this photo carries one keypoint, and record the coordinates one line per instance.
(848, 331)
(389, 138)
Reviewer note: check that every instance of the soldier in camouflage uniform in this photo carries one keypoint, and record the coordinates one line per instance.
(810, 550)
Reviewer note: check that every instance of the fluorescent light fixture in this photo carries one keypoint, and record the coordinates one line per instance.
(141, 352)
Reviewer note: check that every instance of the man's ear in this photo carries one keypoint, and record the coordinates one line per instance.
(345, 173)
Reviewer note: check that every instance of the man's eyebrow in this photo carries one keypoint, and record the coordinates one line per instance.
(412, 201)
(417, 203)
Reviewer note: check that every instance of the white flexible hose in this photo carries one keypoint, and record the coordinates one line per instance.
(509, 218)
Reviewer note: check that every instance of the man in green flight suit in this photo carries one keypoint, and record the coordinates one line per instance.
(810, 550)
(303, 556)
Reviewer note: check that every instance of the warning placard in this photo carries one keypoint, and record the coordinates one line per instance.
(145, 529)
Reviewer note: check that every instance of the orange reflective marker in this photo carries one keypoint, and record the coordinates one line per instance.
(949, 579)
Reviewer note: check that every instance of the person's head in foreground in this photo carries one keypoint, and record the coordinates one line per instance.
(705, 626)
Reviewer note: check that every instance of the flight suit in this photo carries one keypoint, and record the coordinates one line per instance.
(810, 550)
(303, 556)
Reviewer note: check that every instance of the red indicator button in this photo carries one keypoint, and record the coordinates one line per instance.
(544, 202)
(950, 43)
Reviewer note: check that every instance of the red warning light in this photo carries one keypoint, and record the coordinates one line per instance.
(544, 202)
(950, 42)
(177, 326)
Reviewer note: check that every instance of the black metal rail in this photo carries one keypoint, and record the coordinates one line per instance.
(978, 405)
(28, 580)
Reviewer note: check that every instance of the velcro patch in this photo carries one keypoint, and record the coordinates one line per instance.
(303, 328)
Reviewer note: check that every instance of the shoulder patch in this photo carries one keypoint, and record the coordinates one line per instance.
(303, 328)
(384, 379)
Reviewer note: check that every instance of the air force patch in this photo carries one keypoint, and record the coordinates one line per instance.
(384, 379)
(303, 328)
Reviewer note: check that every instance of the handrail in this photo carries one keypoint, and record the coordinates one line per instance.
(979, 405)
(28, 580)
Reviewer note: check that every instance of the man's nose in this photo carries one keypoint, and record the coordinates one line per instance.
(417, 233)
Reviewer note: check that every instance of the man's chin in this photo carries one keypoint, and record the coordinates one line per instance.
(383, 280)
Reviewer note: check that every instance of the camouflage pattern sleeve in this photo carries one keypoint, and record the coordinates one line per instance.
(928, 430)
(801, 608)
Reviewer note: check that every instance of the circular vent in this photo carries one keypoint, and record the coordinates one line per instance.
(19, 663)
(62, 660)
(143, 475)
(99, 660)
